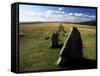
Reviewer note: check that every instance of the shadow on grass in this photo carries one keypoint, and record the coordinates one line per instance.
(79, 64)
(59, 46)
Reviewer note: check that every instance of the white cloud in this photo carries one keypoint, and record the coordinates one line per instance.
(54, 12)
(60, 9)
(92, 16)
(70, 14)
(78, 14)
(51, 15)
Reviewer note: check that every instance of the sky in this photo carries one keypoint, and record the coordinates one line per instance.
(34, 13)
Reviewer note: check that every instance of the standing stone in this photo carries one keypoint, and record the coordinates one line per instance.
(61, 28)
(54, 40)
(72, 48)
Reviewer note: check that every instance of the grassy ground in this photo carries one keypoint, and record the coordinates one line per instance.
(34, 51)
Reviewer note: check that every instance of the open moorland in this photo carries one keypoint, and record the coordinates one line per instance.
(34, 46)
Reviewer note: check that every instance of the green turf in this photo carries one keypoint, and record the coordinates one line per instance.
(34, 51)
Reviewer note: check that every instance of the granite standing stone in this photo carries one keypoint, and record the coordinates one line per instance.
(54, 40)
(72, 48)
(61, 28)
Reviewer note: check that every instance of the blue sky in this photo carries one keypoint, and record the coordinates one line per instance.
(34, 13)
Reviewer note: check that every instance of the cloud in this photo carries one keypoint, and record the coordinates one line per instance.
(70, 14)
(78, 14)
(54, 16)
(60, 9)
(92, 16)
(54, 12)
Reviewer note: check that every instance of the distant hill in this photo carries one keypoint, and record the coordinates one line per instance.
(92, 23)
(29, 22)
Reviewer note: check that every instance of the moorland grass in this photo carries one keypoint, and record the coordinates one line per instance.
(34, 50)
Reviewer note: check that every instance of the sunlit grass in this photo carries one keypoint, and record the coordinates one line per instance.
(34, 51)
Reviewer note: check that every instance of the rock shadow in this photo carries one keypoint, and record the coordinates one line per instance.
(82, 63)
(59, 46)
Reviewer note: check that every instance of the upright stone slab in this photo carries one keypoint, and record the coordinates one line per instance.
(72, 48)
(61, 28)
(54, 40)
